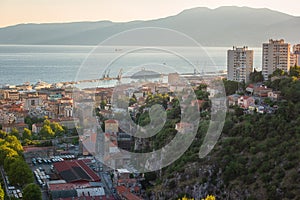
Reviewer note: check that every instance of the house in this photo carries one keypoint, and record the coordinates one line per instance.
(162, 89)
(62, 190)
(106, 113)
(212, 91)
(141, 100)
(274, 95)
(125, 194)
(36, 128)
(32, 102)
(111, 126)
(261, 91)
(184, 127)
(250, 88)
(197, 102)
(245, 101)
(19, 126)
(233, 99)
(94, 192)
(12, 95)
(69, 122)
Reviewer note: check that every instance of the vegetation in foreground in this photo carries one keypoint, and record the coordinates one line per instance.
(257, 156)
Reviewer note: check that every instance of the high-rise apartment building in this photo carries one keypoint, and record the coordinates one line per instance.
(275, 55)
(294, 59)
(295, 56)
(239, 64)
(296, 48)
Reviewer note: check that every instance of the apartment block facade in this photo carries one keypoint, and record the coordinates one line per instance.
(295, 56)
(275, 55)
(239, 64)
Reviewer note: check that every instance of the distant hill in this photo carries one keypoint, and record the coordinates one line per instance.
(224, 26)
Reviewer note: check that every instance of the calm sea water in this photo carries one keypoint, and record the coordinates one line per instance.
(19, 64)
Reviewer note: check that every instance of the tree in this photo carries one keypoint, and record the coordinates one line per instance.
(230, 86)
(132, 100)
(15, 132)
(57, 128)
(256, 76)
(202, 86)
(3, 134)
(1, 193)
(32, 191)
(102, 104)
(295, 71)
(47, 131)
(27, 134)
(279, 72)
(14, 143)
(20, 173)
(6, 152)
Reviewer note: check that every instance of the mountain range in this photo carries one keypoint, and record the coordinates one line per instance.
(223, 26)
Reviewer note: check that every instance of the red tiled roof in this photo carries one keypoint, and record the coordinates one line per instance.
(245, 97)
(66, 168)
(123, 191)
(250, 86)
(111, 121)
(66, 98)
(31, 149)
(184, 125)
(38, 124)
(21, 124)
(128, 180)
(61, 186)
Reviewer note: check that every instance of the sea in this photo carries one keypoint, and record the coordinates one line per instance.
(61, 63)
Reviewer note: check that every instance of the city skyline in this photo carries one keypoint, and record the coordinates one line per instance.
(32, 11)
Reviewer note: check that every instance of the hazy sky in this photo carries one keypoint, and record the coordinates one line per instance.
(40, 11)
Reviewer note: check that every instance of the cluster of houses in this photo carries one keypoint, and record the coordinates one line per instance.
(254, 100)
(109, 146)
(38, 101)
(59, 102)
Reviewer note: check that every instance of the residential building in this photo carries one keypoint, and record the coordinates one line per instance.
(184, 127)
(37, 127)
(125, 194)
(12, 95)
(275, 55)
(239, 64)
(173, 78)
(261, 91)
(20, 127)
(69, 122)
(274, 95)
(295, 56)
(32, 102)
(245, 101)
(296, 48)
(111, 126)
(233, 99)
(294, 59)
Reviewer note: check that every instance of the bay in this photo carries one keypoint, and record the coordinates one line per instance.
(51, 63)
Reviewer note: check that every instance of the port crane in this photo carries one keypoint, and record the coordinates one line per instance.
(106, 77)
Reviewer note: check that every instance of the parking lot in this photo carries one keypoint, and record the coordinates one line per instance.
(42, 168)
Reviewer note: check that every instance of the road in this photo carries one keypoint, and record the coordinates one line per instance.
(107, 182)
(4, 181)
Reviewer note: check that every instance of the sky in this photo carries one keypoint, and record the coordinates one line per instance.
(47, 11)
